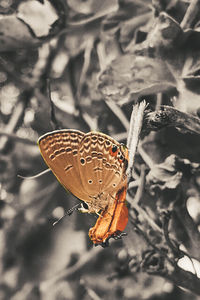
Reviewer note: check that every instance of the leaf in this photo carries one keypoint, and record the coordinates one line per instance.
(14, 34)
(130, 76)
(93, 6)
(170, 173)
(38, 16)
(128, 10)
(165, 33)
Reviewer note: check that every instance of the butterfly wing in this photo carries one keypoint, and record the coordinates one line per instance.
(59, 149)
(99, 170)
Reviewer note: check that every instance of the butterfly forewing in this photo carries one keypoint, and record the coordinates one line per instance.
(60, 152)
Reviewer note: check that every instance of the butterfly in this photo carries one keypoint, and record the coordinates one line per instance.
(92, 166)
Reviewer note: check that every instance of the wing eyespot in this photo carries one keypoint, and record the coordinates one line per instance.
(114, 148)
(82, 161)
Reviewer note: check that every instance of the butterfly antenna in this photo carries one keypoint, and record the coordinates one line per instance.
(68, 213)
(35, 176)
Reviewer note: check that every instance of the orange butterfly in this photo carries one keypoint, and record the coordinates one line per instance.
(91, 166)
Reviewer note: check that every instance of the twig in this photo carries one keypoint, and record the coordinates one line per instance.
(47, 69)
(134, 184)
(91, 122)
(193, 241)
(13, 122)
(140, 189)
(184, 279)
(172, 117)
(24, 292)
(72, 80)
(146, 238)
(90, 292)
(86, 64)
(159, 101)
(144, 214)
(73, 87)
(17, 138)
(101, 52)
(177, 252)
(136, 123)
(190, 14)
(165, 226)
(118, 112)
(147, 159)
(53, 115)
(120, 136)
(105, 10)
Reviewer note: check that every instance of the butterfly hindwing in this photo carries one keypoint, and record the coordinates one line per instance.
(99, 170)
(60, 152)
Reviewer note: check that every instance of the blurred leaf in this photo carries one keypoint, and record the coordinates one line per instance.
(15, 34)
(175, 8)
(34, 197)
(130, 76)
(188, 89)
(93, 6)
(179, 50)
(134, 30)
(59, 290)
(38, 16)
(132, 11)
(170, 173)
(166, 33)
(7, 172)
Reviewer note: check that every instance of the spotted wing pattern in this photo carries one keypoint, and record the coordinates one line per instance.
(85, 164)
(100, 171)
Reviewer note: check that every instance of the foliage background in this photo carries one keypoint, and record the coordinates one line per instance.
(72, 64)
